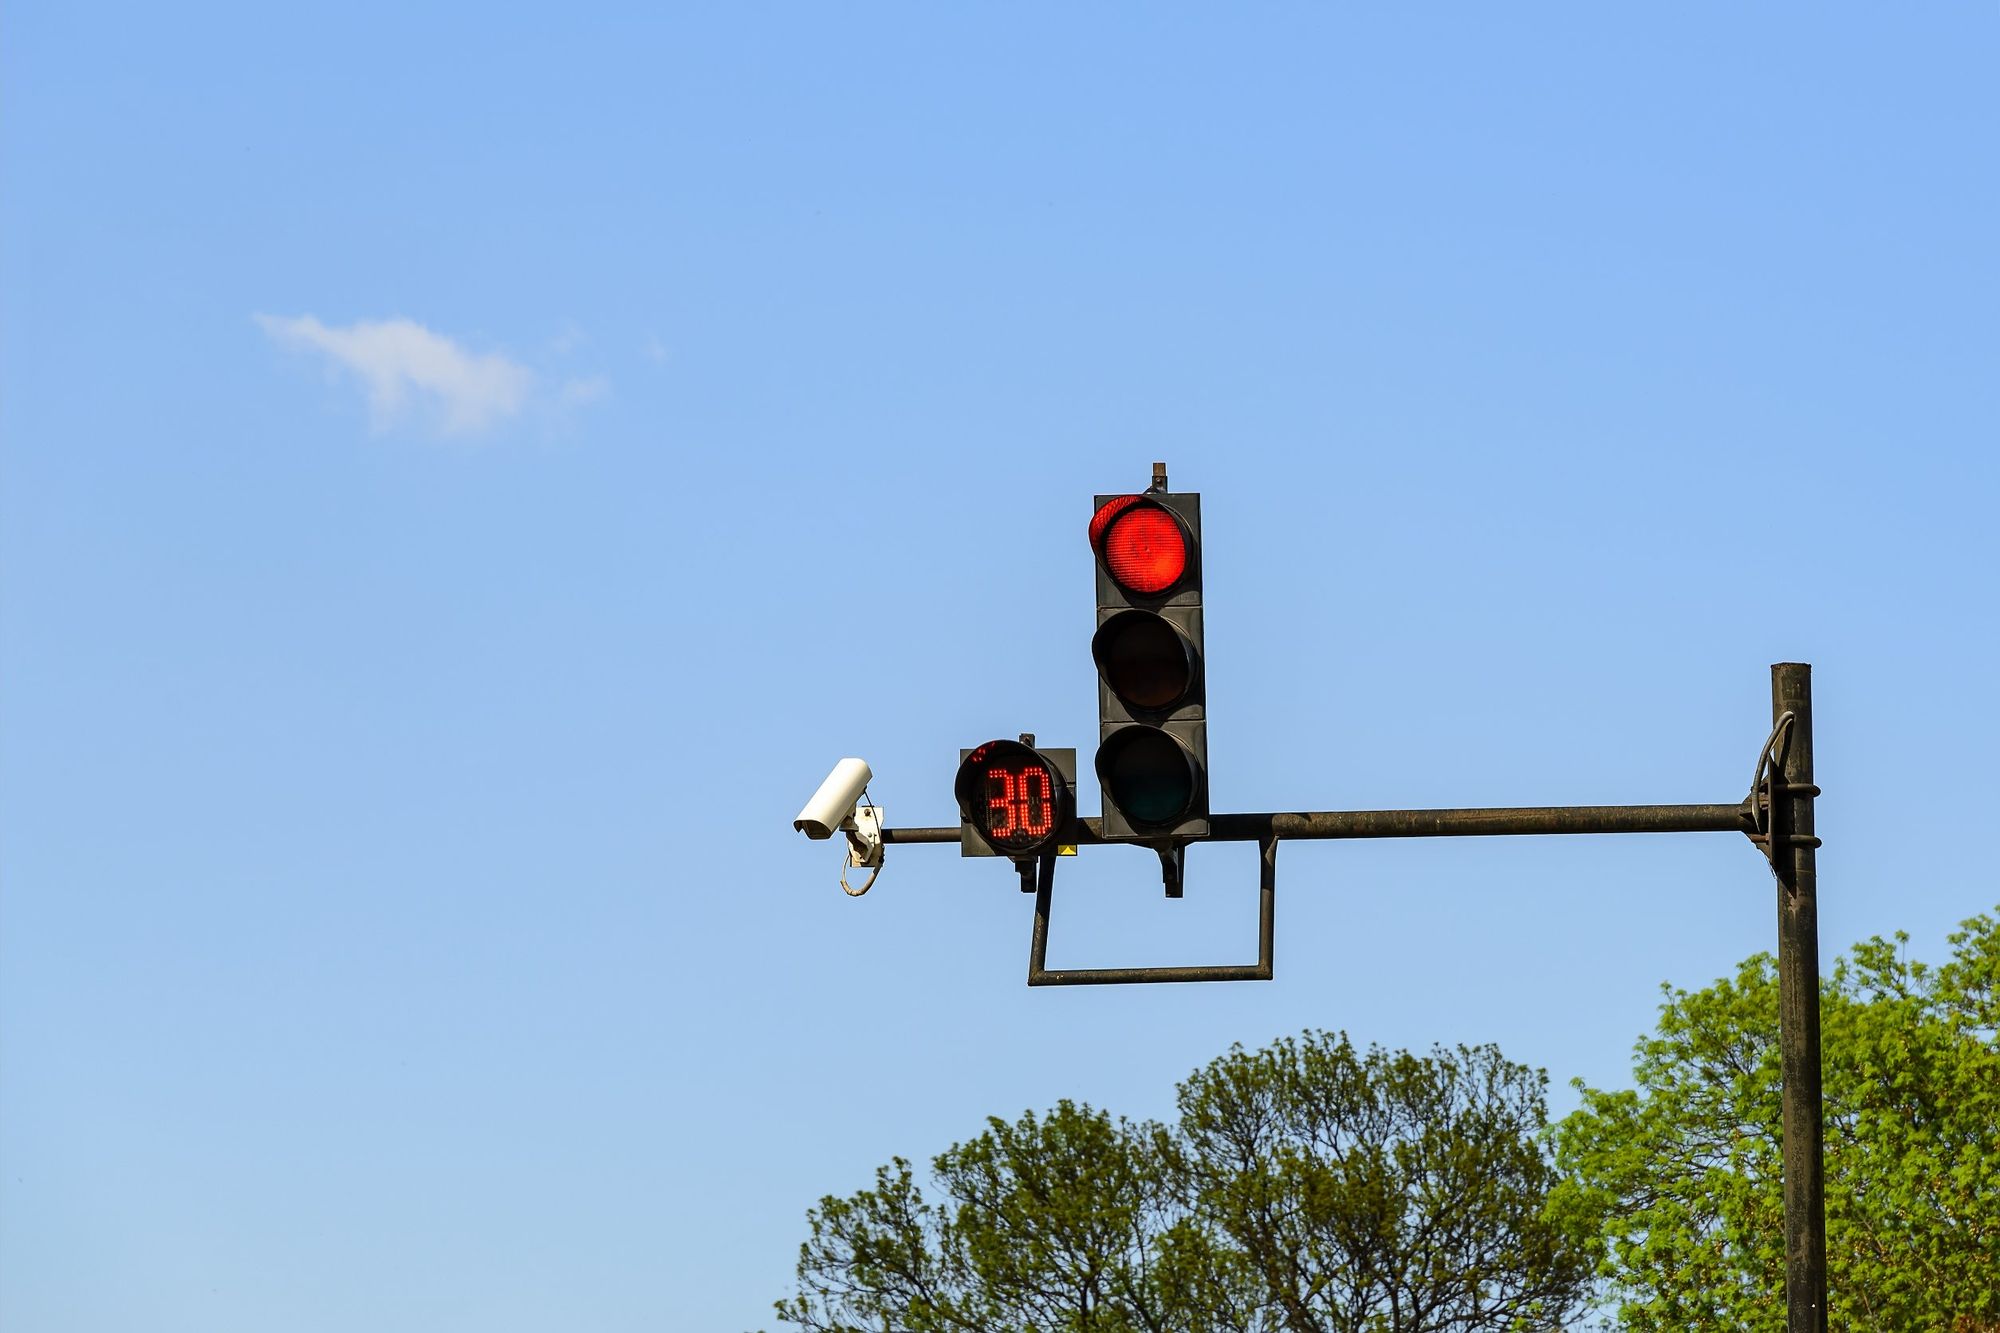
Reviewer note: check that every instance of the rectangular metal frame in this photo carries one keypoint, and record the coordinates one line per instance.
(1039, 974)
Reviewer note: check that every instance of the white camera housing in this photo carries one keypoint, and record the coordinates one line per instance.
(833, 804)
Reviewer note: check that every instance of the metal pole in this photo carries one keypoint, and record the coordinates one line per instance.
(1792, 857)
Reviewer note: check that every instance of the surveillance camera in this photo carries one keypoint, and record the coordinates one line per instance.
(831, 805)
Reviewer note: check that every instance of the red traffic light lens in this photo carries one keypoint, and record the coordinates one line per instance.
(1146, 661)
(1107, 511)
(1147, 774)
(1142, 545)
(1013, 797)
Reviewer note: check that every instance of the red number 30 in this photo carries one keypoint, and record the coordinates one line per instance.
(1019, 804)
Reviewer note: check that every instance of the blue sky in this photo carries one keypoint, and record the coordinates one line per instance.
(468, 474)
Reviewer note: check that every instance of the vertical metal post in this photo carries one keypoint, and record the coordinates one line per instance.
(1792, 844)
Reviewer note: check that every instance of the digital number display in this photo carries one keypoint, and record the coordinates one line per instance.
(1013, 797)
(1020, 804)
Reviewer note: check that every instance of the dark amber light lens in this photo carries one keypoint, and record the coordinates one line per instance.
(1145, 549)
(1145, 660)
(1147, 774)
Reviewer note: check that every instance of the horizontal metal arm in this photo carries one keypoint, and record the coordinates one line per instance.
(1307, 824)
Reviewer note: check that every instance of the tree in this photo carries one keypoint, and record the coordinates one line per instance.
(1306, 1187)
(1068, 1221)
(1386, 1192)
(1686, 1167)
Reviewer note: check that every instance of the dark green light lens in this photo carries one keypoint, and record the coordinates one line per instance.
(1147, 774)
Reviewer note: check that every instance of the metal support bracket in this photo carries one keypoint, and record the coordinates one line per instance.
(864, 847)
(1039, 974)
(1769, 791)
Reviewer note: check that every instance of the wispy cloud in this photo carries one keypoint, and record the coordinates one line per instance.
(582, 390)
(409, 371)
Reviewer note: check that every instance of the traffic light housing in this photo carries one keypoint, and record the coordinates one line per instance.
(1015, 800)
(1152, 695)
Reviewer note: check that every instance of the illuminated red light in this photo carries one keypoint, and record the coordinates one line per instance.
(1144, 548)
(1107, 511)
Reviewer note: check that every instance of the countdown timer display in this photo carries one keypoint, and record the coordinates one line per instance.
(1013, 797)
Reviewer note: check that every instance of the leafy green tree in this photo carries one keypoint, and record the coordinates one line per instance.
(1384, 1192)
(1307, 1187)
(1067, 1221)
(1686, 1167)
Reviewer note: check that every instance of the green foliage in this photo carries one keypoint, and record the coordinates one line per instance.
(1306, 1187)
(1687, 1167)
(1386, 1190)
(1064, 1222)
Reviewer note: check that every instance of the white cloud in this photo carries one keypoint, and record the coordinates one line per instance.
(406, 368)
(586, 389)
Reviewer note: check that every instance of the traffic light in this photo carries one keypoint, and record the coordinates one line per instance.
(1015, 800)
(1152, 754)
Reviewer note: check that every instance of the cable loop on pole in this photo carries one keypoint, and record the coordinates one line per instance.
(864, 845)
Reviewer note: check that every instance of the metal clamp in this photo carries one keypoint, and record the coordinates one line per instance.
(864, 847)
(1768, 788)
